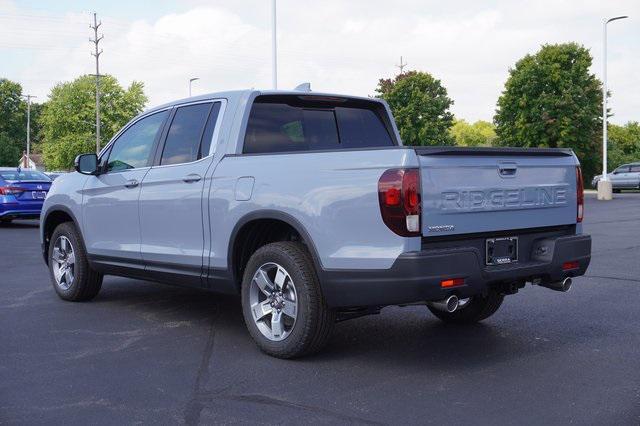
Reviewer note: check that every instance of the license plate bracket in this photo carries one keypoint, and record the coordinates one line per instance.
(501, 251)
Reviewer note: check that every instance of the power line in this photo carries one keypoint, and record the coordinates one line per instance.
(98, 52)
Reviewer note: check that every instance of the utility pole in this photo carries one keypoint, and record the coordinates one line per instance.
(274, 47)
(401, 66)
(29, 97)
(96, 40)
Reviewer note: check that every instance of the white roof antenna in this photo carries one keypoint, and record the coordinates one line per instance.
(304, 87)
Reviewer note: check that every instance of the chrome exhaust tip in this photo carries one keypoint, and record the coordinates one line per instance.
(563, 286)
(450, 304)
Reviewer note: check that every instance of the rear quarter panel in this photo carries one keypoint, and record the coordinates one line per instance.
(332, 195)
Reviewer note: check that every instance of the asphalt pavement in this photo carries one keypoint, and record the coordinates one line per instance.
(148, 353)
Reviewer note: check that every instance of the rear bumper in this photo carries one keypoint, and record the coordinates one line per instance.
(416, 276)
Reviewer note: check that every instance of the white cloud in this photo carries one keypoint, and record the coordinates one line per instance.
(339, 46)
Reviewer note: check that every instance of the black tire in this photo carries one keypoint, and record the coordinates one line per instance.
(478, 309)
(86, 282)
(314, 320)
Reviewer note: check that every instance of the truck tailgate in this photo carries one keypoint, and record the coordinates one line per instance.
(491, 189)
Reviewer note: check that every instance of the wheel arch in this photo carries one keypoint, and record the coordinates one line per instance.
(55, 216)
(235, 265)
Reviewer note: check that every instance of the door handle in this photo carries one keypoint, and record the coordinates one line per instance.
(131, 183)
(192, 178)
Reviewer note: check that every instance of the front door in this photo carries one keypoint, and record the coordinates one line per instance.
(171, 198)
(110, 200)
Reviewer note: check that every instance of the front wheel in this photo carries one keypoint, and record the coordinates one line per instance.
(282, 304)
(72, 277)
(477, 309)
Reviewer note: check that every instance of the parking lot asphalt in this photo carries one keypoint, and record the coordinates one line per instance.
(147, 353)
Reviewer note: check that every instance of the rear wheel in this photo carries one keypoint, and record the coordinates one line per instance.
(282, 304)
(477, 309)
(72, 277)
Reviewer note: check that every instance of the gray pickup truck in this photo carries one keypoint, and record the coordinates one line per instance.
(309, 207)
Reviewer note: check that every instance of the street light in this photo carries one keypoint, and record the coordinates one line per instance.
(191, 80)
(274, 47)
(605, 188)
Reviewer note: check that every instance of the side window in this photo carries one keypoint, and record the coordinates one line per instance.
(132, 148)
(205, 147)
(621, 169)
(185, 133)
(635, 169)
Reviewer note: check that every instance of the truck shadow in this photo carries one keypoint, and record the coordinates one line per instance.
(400, 337)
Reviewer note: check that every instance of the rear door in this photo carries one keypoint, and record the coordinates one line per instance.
(634, 171)
(619, 177)
(471, 191)
(110, 200)
(171, 198)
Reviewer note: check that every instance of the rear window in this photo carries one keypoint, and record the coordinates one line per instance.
(292, 123)
(24, 175)
(635, 168)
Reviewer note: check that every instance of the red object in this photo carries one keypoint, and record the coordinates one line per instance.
(399, 197)
(580, 191)
(10, 190)
(567, 266)
(452, 282)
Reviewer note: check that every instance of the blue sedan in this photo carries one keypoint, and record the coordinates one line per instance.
(22, 193)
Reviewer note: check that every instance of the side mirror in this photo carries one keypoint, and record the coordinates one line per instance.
(87, 164)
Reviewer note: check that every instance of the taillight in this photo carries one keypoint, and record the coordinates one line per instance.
(399, 196)
(9, 190)
(580, 194)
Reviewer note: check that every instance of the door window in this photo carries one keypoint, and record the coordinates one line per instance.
(132, 148)
(185, 134)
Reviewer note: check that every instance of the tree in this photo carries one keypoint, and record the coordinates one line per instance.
(552, 100)
(12, 123)
(624, 144)
(420, 106)
(480, 133)
(68, 119)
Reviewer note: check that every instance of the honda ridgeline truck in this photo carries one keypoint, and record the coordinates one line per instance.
(309, 207)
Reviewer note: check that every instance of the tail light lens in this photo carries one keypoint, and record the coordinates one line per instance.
(580, 194)
(399, 196)
(9, 190)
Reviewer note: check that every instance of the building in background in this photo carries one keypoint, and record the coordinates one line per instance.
(33, 161)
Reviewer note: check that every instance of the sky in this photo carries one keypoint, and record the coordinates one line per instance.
(337, 46)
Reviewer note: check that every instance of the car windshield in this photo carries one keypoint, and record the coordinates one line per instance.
(23, 175)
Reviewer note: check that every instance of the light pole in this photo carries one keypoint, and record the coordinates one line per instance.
(605, 189)
(191, 80)
(274, 47)
(29, 97)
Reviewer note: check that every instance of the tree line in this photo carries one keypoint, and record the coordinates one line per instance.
(550, 99)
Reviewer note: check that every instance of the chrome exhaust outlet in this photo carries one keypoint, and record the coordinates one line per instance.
(563, 286)
(450, 304)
